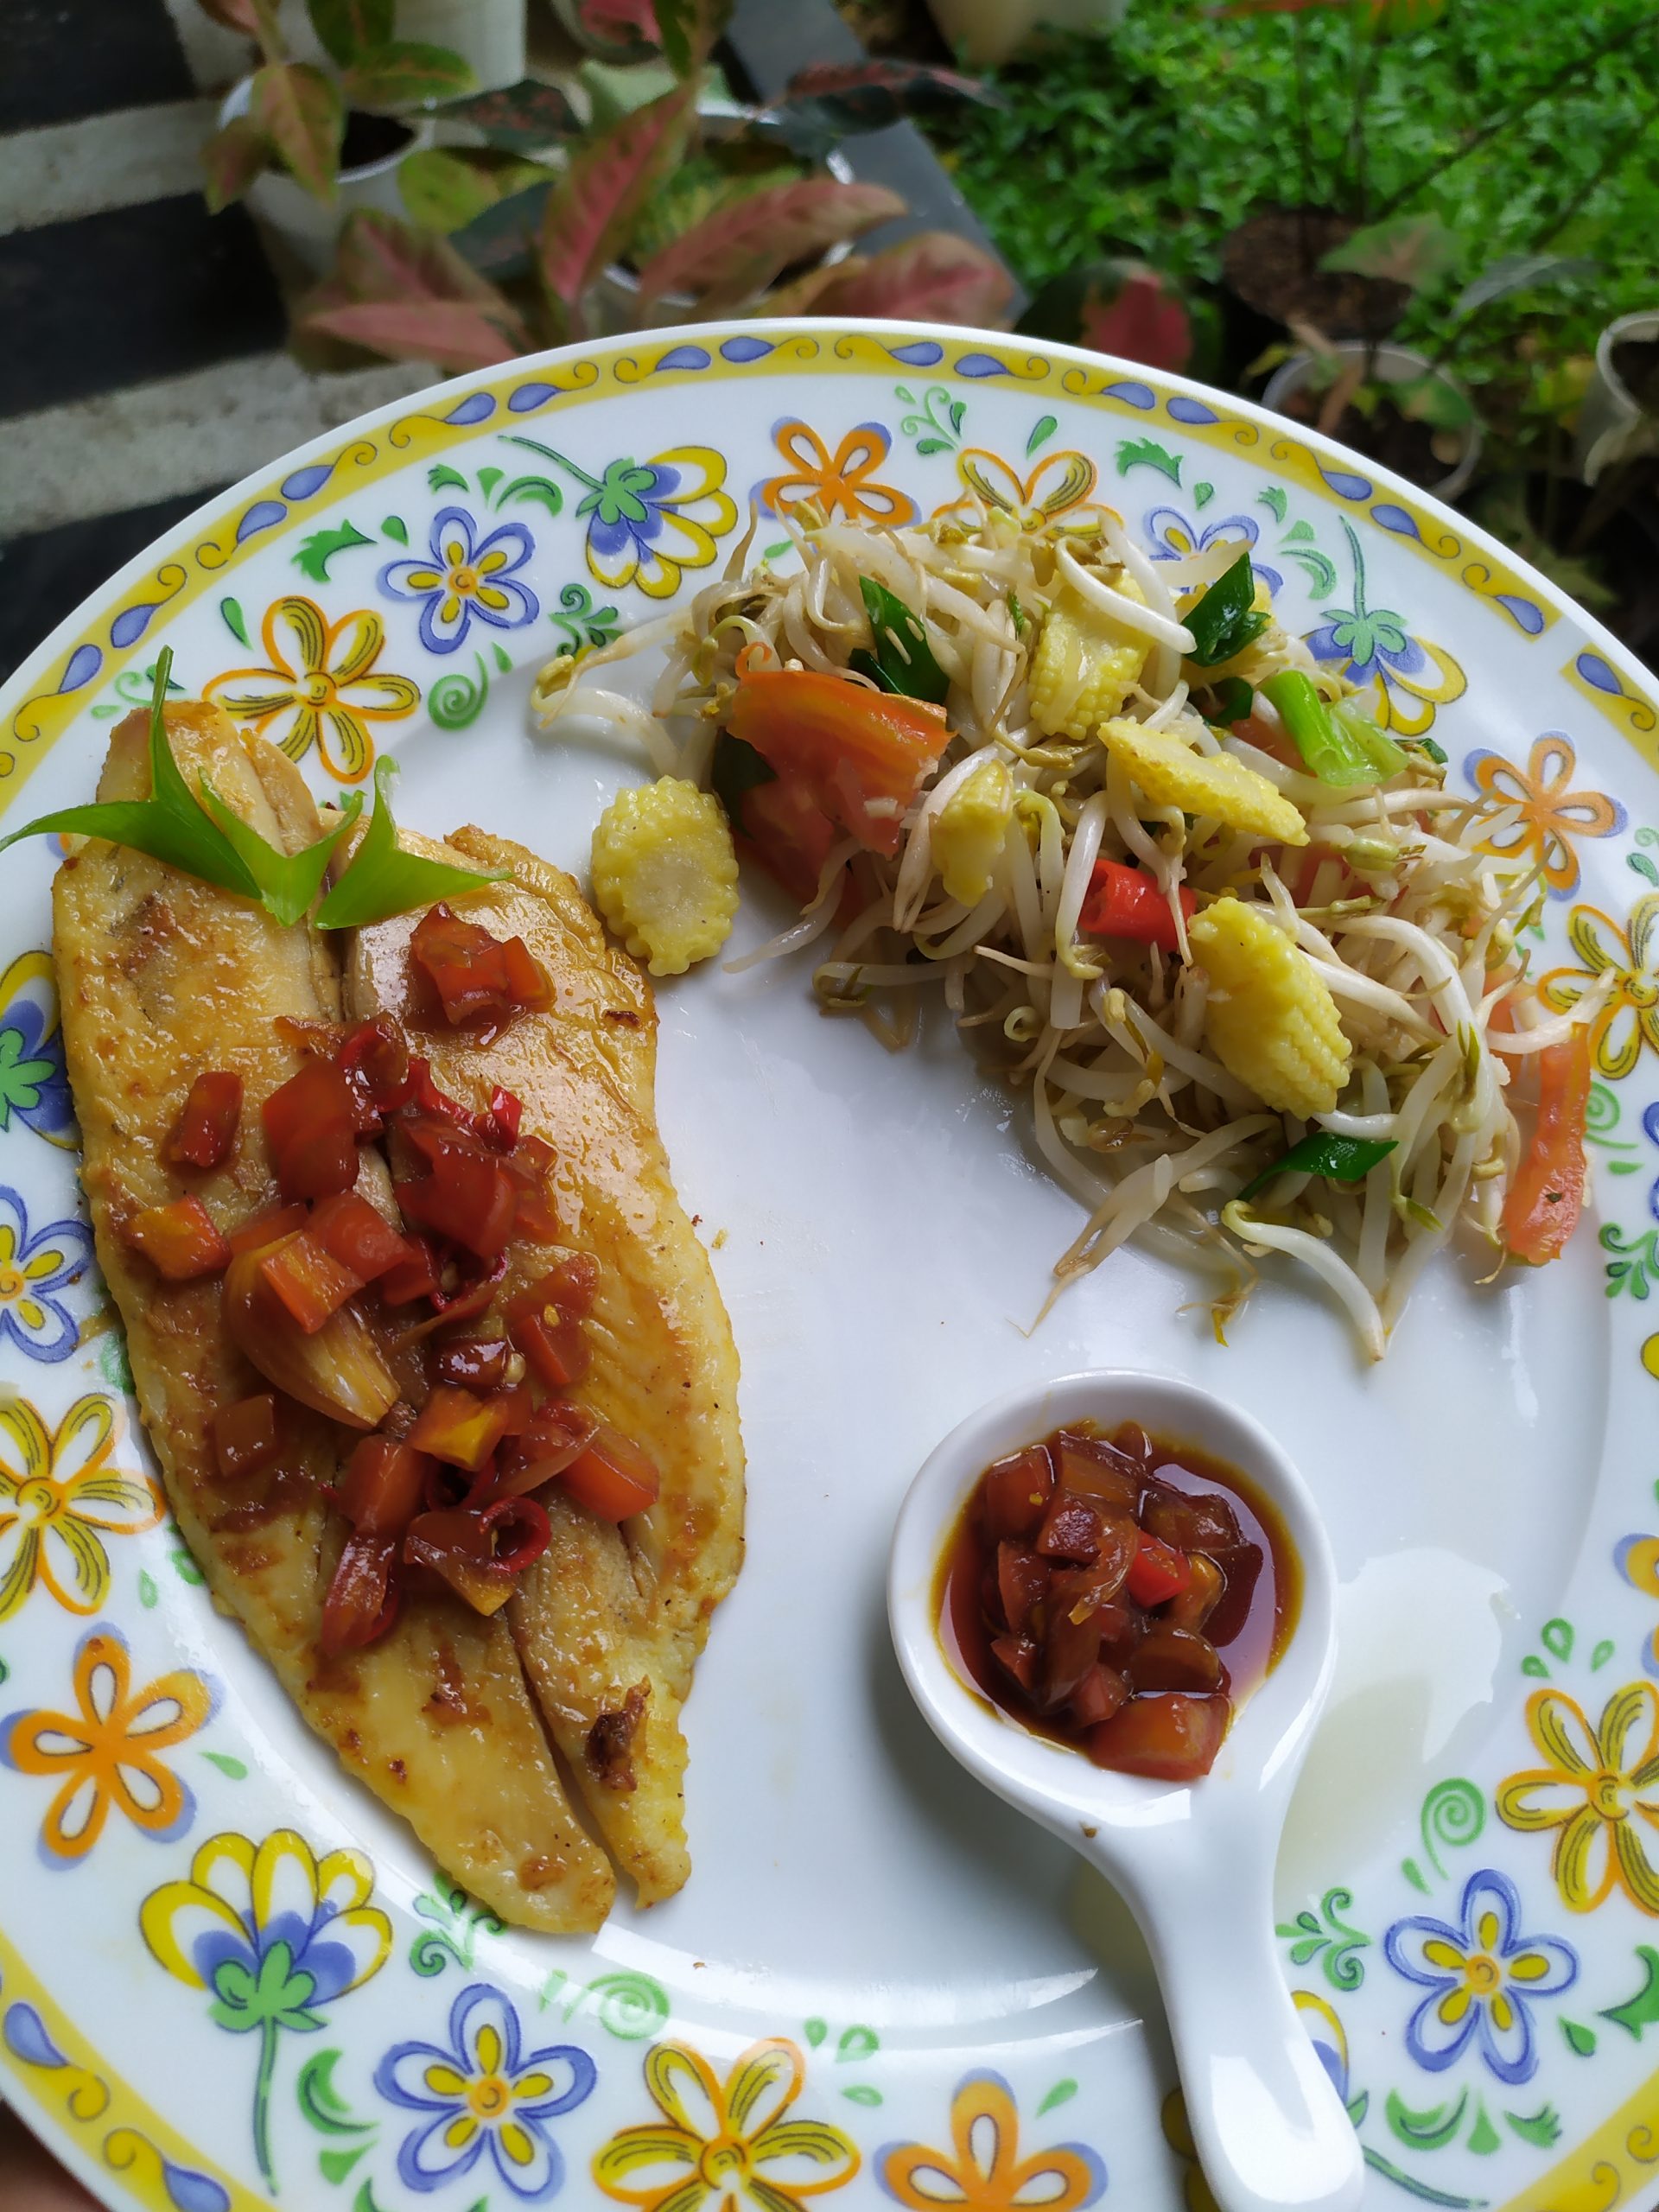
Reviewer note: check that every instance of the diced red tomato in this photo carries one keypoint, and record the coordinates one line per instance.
(1101, 1693)
(1020, 1654)
(180, 1240)
(475, 1363)
(518, 1404)
(1172, 1738)
(350, 1230)
(1022, 1584)
(846, 747)
(1125, 902)
(1071, 1530)
(1543, 1207)
(569, 1286)
(466, 1196)
(479, 1551)
(309, 1282)
(1016, 1493)
(477, 977)
(362, 1602)
(374, 1060)
(557, 1351)
(383, 1486)
(789, 836)
(416, 1277)
(268, 1228)
(506, 1111)
(1157, 1571)
(459, 1427)
(311, 1124)
(532, 1164)
(205, 1130)
(557, 1433)
(612, 1476)
(247, 1436)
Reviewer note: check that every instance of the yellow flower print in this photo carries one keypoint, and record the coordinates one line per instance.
(842, 484)
(1059, 484)
(1629, 1017)
(649, 520)
(707, 2152)
(982, 2171)
(1552, 814)
(106, 1755)
(1196, 2193)
(59, 1498)
(275, 1934)
(320, 688)
(1599, 1789)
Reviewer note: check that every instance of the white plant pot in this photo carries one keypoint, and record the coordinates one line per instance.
(308, 226)
(985, 32)
(1388, 365)
(591, 37)
(488, 35)
(1613, 426)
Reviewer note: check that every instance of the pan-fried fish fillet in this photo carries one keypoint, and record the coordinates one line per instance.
(609, 1621)
(160, 977)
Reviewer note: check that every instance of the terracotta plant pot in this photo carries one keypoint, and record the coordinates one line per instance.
(1615, 424)
(1387, 365)
(308, 226)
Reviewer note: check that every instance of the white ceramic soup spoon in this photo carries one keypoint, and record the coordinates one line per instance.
(1193, 1861)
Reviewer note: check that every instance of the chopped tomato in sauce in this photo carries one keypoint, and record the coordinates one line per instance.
(476, 978)
(311, 1126)
(180, 1240)
(205, 1130)
(1119, 1594)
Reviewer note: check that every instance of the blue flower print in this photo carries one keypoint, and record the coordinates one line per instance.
(466, 579)
(34, 1085)
(31, 1268)
(1482, 1976)
(484, 2092)
(1170, 535)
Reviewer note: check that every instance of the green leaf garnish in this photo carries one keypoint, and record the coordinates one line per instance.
(169, 825)
(382, 879)
(1341, 1159)
(735, 771)
(903, 660)
(1234, 700)
(286, 883)
(1226, 618)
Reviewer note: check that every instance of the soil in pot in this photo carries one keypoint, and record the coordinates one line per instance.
(371, 138)
(1636, 363)
(1272, 264)
(1414, 450)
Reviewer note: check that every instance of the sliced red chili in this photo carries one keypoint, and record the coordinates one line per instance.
(205, 1130)
(1126, 902)
(311, 1125)
(182, 1240)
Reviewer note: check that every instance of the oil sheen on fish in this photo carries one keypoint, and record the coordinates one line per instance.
(161, 977)
(609, 1621)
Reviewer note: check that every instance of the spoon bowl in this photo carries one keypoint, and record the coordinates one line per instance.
(1193, 1861)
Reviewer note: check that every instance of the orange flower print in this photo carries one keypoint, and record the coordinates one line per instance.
(1552, 814)
(107, 1754)
(319, 687)
(982, 2171)
(1629, 1014)
(843, 485)
(1059, 484)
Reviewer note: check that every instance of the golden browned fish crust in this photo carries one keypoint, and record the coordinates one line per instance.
(609, 1621)
(161, 977)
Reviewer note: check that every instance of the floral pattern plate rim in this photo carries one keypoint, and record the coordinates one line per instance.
(263, 1995)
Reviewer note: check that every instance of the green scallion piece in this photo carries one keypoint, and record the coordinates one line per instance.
(1338, 1159)
(1331, 753)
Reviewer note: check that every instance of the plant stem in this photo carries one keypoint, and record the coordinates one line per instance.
(1534, 97)
(548, 454)
(267, 2034)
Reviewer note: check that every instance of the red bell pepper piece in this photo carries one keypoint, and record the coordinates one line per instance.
(205, 1130)
(1157, 1571)
(180, 1240)
(350, 1230)
(310, 1281)
(1126, 902)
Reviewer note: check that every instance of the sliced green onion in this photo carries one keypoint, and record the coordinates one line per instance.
(1331, 752)
(382, 879)
(903, 660)
(1226, 618)
(1235, 699)
(1427, 745)
(1338, 1159)
(1384, 755)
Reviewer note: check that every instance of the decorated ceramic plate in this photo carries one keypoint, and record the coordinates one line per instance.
(229, 1979)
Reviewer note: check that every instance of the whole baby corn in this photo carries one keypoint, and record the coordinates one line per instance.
(1170, 772)
(1084, 665)
(665, 874)
(1269, 1017)
(969, 829)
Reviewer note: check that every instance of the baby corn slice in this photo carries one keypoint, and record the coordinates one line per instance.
(1269, 1017)
(1084, 665)
(665, 874)
(1170, 773)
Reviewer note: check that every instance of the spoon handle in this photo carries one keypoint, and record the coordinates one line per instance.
(1270, 2130)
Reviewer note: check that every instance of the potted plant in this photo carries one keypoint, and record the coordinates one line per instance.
(308, 144)
(1620, 418)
